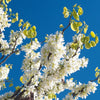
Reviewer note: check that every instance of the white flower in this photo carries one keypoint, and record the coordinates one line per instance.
(82, 90)
(28, 48)
(4, 71)
(6, 96)
(68, 97)
(4, 22)
(53, 50)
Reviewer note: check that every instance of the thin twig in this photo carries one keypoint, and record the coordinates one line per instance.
(10, 53)
(95, 79)
(2, 57)
(6, 58)
(17, 93)
(67, 25)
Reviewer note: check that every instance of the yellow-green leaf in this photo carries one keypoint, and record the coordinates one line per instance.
(13, 20)
(96, 74)
(65, 12)
(8, 1)
(74, 26)
(87, 45)
(21, 79)
(25, 32)
(87, 39)
(98, 80)
(34, 28)
(79, 24)
(51, 96)
(96, 69)
(92, 34)
(93, 44)
(31, 34)
(10, 85)
(75, 5)
(17, 87)
(75, 14)
(86, 28)
(61, 26)
(96, 39)
(80, 11)
(81, 47)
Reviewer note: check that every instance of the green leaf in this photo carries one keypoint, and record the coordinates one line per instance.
(74, 26)
(96, 39)
(92, 34)
(17, 87)
(93, 44)
(79, 23)
(75, 5)
(75, 14)
(86, 28)
(10, 85)
(80, 11)
(87, 45)
(87, 39)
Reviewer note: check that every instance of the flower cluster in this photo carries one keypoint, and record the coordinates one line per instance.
(16, 38)
(4, 45)
(6, 96)
(45, 72)
(4, 22)
(82, 90)
(53, 51)
(4, 71)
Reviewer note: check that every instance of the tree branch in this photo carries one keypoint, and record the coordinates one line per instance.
(10, 53)
(2, 57)
(67, 25)
(6, 58)
(95, 79)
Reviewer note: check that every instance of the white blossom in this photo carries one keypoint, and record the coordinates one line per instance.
(4, 22)
(53, 50)
(6, 96)
(4, 71)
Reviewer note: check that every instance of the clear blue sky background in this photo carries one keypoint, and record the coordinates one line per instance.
(47, 15)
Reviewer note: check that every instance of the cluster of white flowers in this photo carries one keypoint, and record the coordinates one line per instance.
(31, 65)
(71, 61)
(6, 96)
(16, 38)
(51, 80)
(77, 38)
(4, 71)
(32, 59)
(53, 51)
(74, 63)
(4, 22)
(82, 90)
(68, 97)
(28, 48)
(58, 60)
(3, 44)
(51, 86)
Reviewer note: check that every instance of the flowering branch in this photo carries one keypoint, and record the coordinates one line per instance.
(59, 59)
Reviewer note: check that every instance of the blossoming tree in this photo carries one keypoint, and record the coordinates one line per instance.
(45, 67)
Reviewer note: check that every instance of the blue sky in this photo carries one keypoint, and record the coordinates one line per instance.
(47, 16)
